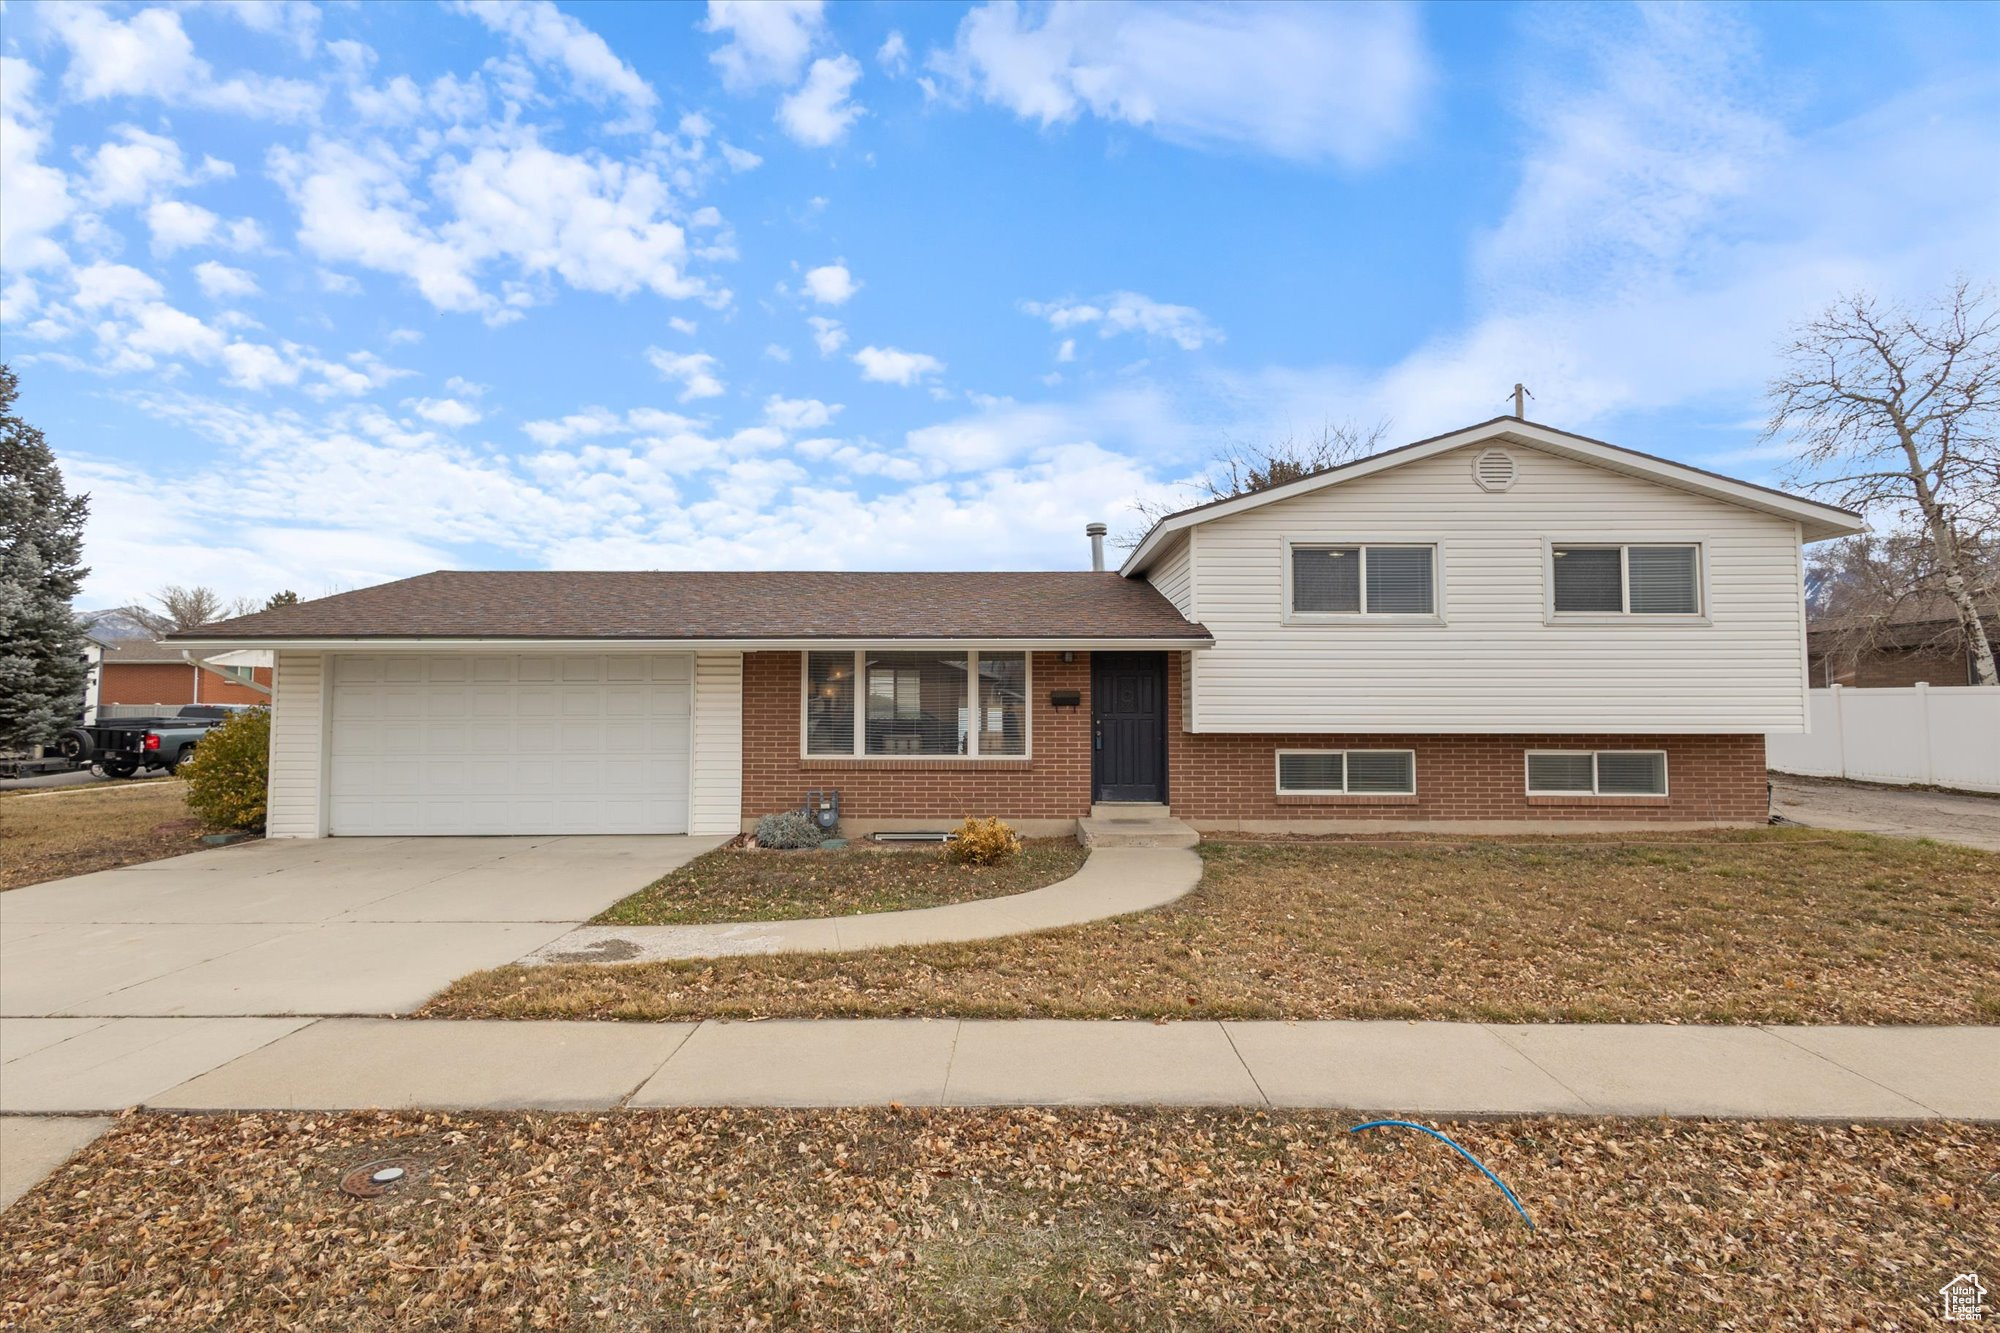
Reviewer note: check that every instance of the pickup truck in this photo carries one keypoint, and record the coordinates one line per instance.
(123, 746)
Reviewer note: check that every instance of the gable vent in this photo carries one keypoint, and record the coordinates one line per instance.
(1493, 469)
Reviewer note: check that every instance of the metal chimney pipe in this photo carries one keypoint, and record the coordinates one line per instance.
(1095, 532)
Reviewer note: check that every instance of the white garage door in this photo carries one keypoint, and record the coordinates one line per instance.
(486, 743)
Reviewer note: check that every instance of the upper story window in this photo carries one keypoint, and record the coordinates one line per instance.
(1364, 580)
(1612, 580)
(882, 702)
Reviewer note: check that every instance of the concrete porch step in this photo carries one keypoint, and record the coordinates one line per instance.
(1134, 826)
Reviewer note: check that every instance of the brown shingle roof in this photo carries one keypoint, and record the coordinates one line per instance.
(139, 651)
(732, 605)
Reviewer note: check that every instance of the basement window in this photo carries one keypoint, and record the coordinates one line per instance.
(1597, 772)
(1347, 772)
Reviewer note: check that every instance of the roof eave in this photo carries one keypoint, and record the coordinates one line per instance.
(793, 643)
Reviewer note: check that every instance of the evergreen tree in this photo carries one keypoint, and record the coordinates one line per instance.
(41, 549)
(285, 598)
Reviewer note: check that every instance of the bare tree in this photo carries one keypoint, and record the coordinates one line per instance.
(1893, 412)
(1883, 590)
(1239, 468)
(185, 608)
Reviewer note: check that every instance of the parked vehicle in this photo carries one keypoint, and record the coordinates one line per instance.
(127, 745)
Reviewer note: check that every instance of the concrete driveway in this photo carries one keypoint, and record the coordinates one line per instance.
(297, 927)
(1971, 821)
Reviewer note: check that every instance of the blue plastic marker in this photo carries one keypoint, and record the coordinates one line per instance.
(1426, 1129)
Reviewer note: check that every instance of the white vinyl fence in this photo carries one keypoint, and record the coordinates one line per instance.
(1934, 735)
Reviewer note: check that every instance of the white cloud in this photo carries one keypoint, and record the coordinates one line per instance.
(794, 414)
(177, 225)
(894, 53)
(769, 40)
(133, 167)
(778, 352)
(693, 371)
(38, 199)
(100, 285)
(1304, 82)
(680, 324)
(740, 159)
(447, 412)
(219, 282)
(889, 365)
(818, 113)
(828, 335)
(1127, 312)
(831, 284)
(598, 223)
(1067, 351)
(296, 20)
(552, 38)
(150, 55)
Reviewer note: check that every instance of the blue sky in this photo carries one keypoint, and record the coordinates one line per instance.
(314, 296)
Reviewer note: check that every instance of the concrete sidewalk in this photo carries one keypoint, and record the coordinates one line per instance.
(1428, 1068)
(1113, 882)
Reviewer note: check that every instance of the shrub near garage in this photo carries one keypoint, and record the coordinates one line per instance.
(229, 774)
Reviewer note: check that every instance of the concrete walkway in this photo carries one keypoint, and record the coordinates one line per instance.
(58, 1071)
(1114, 881)
(1971, 821)
(1428, 1068)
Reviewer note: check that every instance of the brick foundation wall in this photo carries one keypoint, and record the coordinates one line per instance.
(1218, 780)
(1053, 783)
(173, 683)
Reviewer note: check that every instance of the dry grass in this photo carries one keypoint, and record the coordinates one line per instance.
(1016, 1219)
(733, 884)
(1786, 926)
(48, 834)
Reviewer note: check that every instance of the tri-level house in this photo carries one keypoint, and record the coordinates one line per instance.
(1508, 626)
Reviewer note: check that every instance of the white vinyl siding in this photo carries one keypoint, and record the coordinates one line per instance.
(1347, 773)
(1496, 664)
(718, 743)
(298, 753)
(1597, 773)
(1173, 576)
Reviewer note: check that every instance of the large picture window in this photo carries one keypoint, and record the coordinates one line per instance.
(1612, 580)
(891, 703)
(1364, 580)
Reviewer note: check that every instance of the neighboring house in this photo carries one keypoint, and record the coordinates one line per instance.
(1508, 626)
(157, 673)
(1919, 642)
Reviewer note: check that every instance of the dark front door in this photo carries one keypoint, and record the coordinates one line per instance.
(1128, 704)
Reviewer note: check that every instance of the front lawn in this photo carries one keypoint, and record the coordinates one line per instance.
(734, 884)
(1006, 1219)
(52, 833)
(1777, 925)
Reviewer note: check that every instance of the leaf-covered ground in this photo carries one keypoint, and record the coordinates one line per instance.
(734, 884)
(52, 833)
(1780, 925)
(976, 1220)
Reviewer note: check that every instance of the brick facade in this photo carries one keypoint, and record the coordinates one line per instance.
(1221, 781)
(1053, 783)
(174, 683)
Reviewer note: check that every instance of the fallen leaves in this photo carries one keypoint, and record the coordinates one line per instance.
(1869, 930)
(1024, 1218)
(53, 833)
(732, 884)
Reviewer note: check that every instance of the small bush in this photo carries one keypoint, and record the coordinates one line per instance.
(982, 842)
(789, 830)
(229, 774)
